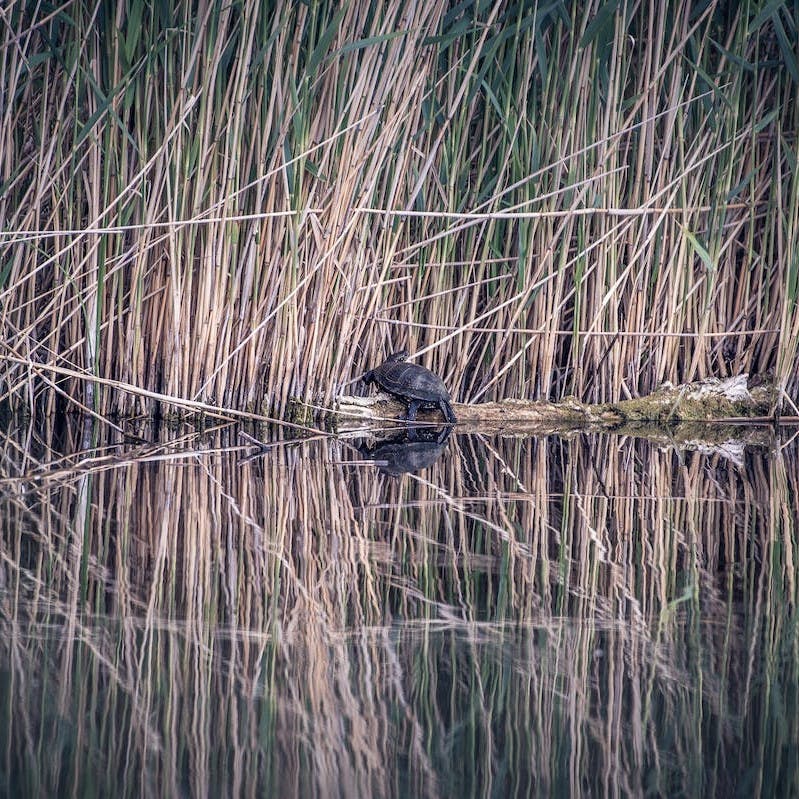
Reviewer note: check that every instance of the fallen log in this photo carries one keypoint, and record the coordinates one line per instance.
(730, 400)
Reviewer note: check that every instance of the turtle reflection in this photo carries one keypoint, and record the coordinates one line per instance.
(413, 450)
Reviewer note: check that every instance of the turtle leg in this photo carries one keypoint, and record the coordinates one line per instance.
(446, 409)
(413, 408)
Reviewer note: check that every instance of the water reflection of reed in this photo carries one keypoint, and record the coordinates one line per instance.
(528, 615)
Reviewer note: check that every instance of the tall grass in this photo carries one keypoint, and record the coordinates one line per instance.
(253, 202)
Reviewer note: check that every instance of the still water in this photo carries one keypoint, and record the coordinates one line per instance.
(520, 616)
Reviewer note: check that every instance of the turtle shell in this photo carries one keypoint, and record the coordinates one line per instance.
(411, 381)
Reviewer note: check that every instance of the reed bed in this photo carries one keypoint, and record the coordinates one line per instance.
(527, 616)
(244, 203)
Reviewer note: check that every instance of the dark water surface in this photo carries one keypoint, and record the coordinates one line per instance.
(586, 615)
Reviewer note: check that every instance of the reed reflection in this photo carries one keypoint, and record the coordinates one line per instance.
(528, 613)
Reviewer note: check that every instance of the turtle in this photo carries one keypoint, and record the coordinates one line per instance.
(415, 450)
(412, 384)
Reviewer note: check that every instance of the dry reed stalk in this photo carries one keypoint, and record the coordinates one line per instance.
(265, 174)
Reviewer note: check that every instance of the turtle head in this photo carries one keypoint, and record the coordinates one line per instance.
(398, 356)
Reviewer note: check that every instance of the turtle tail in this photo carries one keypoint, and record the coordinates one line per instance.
(449, 414)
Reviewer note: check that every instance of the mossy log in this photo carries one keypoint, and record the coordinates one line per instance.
(732, 399)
